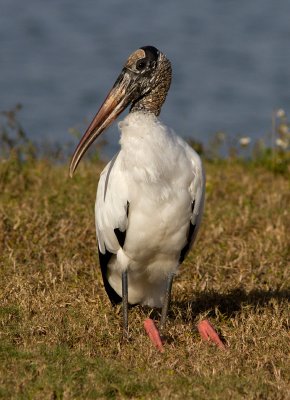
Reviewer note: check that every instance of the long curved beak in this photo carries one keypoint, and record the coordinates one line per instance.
(116, 101)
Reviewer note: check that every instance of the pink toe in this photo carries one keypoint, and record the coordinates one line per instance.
(153, 334)
(207, 332)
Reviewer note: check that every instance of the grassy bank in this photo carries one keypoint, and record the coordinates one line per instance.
(60, 338)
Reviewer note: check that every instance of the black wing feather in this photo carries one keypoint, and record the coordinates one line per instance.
(186, 248)
(190, 234)
(104, 261)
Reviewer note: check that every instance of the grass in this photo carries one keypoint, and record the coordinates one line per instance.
(60, 338)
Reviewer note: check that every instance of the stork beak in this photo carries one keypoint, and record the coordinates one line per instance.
(116, 101)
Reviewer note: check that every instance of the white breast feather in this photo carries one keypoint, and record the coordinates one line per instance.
(160, 176)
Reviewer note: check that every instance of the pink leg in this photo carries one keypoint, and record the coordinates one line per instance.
(153, 334)
(207, 332)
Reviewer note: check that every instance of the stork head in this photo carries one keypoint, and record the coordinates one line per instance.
(144, 82)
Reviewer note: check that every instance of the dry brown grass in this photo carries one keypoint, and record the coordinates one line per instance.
(60, 338)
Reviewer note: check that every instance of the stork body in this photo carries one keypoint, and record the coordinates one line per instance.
(148, 209)
(150, 196)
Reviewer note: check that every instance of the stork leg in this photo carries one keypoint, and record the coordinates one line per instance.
(125, 302)
(166, 301)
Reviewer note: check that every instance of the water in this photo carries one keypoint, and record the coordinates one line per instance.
(231, 62)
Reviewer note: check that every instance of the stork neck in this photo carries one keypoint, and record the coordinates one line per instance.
(152, 102)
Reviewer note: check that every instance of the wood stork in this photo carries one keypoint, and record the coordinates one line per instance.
(150, 196)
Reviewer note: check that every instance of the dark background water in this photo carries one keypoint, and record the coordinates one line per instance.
(230, 59)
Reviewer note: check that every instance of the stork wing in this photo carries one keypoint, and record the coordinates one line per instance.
(197, 191)
(111, 211)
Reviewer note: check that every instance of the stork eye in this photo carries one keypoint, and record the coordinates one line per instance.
(141, 65)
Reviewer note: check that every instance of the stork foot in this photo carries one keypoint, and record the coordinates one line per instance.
(208, 333)
(153, 334)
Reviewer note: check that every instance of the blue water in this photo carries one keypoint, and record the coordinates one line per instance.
(231, 62)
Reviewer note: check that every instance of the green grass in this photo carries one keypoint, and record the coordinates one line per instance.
(60, 338)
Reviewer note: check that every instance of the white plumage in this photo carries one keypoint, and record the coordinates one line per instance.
(150, 196)
(153, 190)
